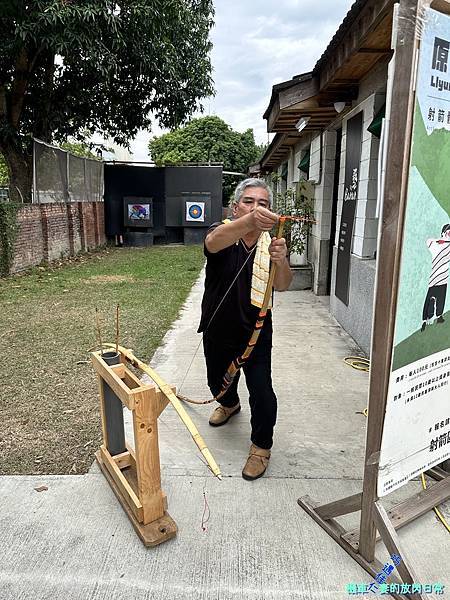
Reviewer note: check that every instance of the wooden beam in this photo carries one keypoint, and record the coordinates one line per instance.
(392, 543)
(145, 425)
(304, 90)
(375, 50)
(152, 534)
(102, 411)
(113, 380)
(371, 15)
(118, 369)
(341, 507)
(122, 484)
(131, 451)
(407, 511)
(441, 5)
(437, 473)
(419, 504)
(313, 114)
(341, 81)
(336, 531)
(273, 115)
(123, 460)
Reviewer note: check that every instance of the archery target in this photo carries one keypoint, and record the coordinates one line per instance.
(195, 211)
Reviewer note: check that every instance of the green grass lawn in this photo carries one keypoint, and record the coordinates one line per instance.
(48, 395)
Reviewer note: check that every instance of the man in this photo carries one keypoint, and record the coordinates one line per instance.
(230, 307)
(437, 286)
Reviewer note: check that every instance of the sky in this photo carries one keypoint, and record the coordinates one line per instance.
(256, 44)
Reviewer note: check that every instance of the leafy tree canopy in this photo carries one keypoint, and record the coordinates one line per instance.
(4, 179)
(207, 139)
(79, 149)
(71, 65)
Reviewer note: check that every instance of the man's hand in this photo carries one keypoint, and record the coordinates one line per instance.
(278, 250)
(263, 219)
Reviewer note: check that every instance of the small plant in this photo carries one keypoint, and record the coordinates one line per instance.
(297, 202)
(8, 234)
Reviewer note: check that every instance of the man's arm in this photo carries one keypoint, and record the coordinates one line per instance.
(283, 274)
(261, 219)
(227, 234)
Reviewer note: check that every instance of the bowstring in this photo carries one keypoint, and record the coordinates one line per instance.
(214, 314)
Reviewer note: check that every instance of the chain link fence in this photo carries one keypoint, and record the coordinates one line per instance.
(59, 176)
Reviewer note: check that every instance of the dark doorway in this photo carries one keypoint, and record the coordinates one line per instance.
(337, 167)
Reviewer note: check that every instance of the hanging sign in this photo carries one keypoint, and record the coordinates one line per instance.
(352, 160)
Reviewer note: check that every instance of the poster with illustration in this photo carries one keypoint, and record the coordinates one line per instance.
(139, 212)
(416, 434)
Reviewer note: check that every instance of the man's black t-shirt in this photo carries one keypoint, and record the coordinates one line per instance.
(235, 318)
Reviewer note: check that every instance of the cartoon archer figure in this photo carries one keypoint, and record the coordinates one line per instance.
(437, 287)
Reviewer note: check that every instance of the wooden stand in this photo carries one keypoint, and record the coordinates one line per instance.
(360, 543)
(135, 476)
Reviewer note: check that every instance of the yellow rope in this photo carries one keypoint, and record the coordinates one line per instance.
(436, 510)
(360, 363)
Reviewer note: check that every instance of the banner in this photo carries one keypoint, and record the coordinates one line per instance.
(352, 160)
(416, 434)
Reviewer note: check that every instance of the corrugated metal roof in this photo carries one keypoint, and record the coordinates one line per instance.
(350, 17)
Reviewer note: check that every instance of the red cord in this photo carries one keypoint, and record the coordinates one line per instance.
(206, 510)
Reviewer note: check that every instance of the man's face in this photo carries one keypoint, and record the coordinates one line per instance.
(251, 198)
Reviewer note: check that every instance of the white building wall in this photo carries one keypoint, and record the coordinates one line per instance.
(364, 241)
(356, 317)
(323, 153)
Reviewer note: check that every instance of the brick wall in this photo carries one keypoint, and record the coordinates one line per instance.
(89, 216)
(52, 231)
(29, 247)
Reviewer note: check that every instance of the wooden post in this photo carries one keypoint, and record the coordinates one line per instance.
(145, 424)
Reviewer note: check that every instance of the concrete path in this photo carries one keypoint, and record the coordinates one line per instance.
(75, 542)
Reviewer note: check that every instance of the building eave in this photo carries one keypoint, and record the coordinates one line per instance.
(362, 40)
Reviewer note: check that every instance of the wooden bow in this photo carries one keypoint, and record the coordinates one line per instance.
(239, 361)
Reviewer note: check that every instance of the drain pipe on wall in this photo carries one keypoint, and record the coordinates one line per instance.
(321, 158)
(318, 182)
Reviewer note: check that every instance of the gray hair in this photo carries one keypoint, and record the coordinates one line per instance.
(251, 182)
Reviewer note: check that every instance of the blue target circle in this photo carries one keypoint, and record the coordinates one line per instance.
(195, 211)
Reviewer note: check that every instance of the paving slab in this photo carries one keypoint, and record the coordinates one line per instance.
(74, 541)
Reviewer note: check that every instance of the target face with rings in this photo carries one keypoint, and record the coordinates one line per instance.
(195, 211)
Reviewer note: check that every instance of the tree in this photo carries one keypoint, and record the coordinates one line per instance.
(79, 149)
(3, 172)
(207, 139)
(102, 65)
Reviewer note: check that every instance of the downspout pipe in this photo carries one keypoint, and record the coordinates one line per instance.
(320, 159)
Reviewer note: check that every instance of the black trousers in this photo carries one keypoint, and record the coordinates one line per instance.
(436, 295)
(258, 378)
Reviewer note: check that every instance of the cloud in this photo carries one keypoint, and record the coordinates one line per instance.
(258, 44)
